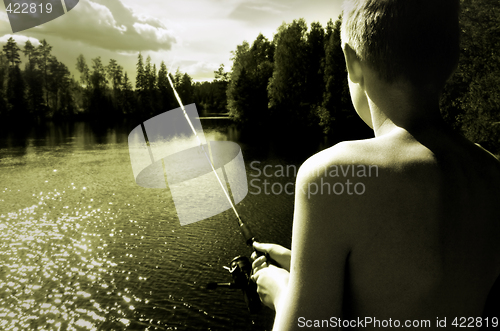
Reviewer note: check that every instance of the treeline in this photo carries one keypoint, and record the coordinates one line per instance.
(108, 92)
(299, 80)
(296, 83)
(45, 90)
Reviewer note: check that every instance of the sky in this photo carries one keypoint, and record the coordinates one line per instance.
(195, 36)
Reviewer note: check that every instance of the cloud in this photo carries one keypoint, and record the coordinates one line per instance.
(258, 12)
(20, 39)
(273, 12)
(200, 70)
(110, 25)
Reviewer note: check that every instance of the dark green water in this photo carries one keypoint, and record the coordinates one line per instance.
(82, 247)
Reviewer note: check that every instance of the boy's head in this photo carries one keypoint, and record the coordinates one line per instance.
(412, 40)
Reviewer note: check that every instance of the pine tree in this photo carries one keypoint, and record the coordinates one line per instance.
(99, 106)
(44, 50)
(114, 72)
(127, 100)
(185, 89)
(15, 96)
(167, 101)
(139, 81)
(30, 51)
(4, 68)
(177, 78)
(58, 80)
(34, 82)
(98, 79)
(315, 53)
(82, 67)
(153, 79)
(148, 74)
(11, 51)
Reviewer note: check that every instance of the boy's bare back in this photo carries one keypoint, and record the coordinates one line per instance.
(418, 241)
(425, 230)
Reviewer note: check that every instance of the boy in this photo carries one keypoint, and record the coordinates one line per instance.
(421, 242)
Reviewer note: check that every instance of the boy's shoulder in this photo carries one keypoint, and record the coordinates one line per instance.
(399, 155)
(384, 153)
(398, 168)
(343, 153)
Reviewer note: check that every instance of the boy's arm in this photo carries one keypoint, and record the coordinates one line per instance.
(320, 248)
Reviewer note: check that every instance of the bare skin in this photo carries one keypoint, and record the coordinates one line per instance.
(421, 242)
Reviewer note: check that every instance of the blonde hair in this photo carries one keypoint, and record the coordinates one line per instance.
(414, 40)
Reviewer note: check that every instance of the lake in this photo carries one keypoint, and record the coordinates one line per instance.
(83, 247)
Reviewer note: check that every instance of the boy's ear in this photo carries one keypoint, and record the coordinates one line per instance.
(353, 64)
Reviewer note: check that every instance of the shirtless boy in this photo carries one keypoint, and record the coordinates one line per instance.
(423, 241)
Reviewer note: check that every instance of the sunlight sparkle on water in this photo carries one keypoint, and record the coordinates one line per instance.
(84, 249)
(50, 268)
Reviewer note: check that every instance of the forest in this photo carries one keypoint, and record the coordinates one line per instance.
(296, 83)
(44, 90)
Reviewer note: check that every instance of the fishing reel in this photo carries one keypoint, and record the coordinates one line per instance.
(241, 269)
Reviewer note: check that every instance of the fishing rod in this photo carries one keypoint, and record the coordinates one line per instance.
(240, 267)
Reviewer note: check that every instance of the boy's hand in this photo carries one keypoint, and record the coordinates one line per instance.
(270, 279)
(271, 282)
(278, 253)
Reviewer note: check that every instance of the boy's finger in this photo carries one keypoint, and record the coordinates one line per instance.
(262, 247)
(259, 261)
(255, 275)
(259, 268)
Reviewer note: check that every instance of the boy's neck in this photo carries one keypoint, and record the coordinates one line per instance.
(398, 105)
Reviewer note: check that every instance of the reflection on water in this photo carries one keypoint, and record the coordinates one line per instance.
(82, 247)
(49, 135)
(80, 135)
(49, 265)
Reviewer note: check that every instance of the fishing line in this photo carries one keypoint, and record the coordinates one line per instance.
(204, 151)
(241, 267)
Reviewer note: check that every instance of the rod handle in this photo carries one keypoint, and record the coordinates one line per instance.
(247, 234)
(250, 239)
